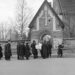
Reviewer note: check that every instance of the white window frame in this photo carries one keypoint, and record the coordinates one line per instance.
(37, 21)
(54, 25)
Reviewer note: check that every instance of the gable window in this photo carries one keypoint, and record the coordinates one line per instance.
(57, 25)
(41, 21)
(36, 25)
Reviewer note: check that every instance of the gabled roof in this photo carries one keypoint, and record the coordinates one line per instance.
(53, 11)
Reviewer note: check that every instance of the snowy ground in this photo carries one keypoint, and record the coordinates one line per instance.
(50, 66)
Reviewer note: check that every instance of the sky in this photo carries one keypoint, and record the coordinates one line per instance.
(8, 8)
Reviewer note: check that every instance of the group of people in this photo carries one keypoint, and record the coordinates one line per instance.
(25, 50)
(46, 49)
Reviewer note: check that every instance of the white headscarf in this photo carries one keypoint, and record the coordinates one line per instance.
(38, 46)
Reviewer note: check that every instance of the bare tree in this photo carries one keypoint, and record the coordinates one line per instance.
(6, 29)
(23, 15)
(1, 31)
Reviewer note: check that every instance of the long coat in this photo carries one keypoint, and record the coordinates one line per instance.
(49, 47)
(8, 50)
(27, 50)
(34, 50)
(1, 54)
(22, 50)
(18, 49)
(44, 50)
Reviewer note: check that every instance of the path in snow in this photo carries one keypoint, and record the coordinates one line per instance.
(50, 66)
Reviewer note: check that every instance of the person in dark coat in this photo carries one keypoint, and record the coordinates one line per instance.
(27, 51)
(41, 51)
(44, 50)
(60, 50)
(22, 50)
(8, 53)
(34, 50)
(18, 50)
(49, 47)
(1, 54)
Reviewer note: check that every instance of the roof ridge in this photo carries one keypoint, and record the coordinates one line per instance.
(53, 11)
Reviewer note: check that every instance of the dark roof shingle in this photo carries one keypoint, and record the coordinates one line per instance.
(67, 6)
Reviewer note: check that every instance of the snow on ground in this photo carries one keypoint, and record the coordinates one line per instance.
(49, 66)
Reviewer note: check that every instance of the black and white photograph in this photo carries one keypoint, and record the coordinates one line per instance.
(37, 37)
